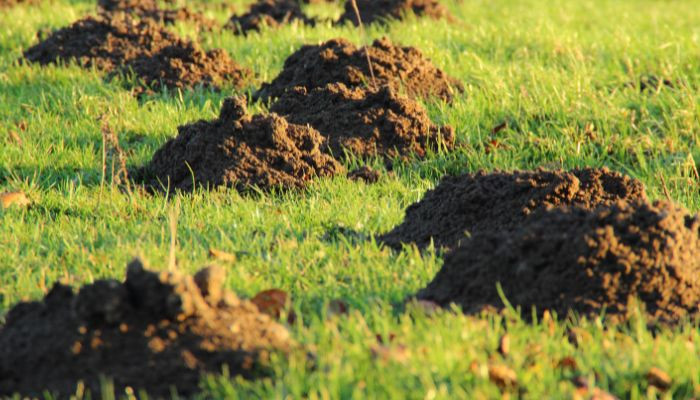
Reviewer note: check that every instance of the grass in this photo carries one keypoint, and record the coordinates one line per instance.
(564, 76)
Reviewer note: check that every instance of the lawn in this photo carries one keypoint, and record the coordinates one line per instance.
(564, 76)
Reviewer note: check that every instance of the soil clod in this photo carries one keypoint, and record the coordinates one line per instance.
(365, 174)
(484, 202)
(340, 61)
(581, 260)
(240, 151)
(119, 43)
(153, 332)
(366, 122)
(272, 13)
(381, 10)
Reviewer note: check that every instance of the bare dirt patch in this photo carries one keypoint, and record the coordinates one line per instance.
(122, 44)
(153, 332)
(484, 202)
(365, 174)
(272, 13)
(150, 9)
(366, 122)
(240, 151)
(372, 11)
(338, 60)
(581, 260)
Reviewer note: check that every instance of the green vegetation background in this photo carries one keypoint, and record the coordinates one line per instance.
(563, 74)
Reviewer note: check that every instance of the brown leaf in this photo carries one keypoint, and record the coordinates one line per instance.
(502, 376)
(395, 353)
(658, 378)
(14, 137)
(504, 345)
(496, 129)
(221, 255)
(9, 199)
(272, 302)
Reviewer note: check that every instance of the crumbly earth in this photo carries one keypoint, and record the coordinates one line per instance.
(611, 259)
(153, 332)
(338, 60)
(272, 13)
(365, 122)
(380, 10)
(240, 151)
(150, 9)
(119, 44)
(500, 201)
(365, 174)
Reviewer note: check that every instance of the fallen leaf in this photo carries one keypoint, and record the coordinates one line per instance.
(271, 302)
(222, 255)
(9, 199)
(658, 378)
(499, 127)
(504, 345)
(395, 353)
(502, 376)
(14, 137)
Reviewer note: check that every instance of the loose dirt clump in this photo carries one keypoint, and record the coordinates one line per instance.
(340, 61)
(366, 122)
(240, 151)
(365, 174)
(150, 9)
(586, 261)
(153, 332)
(381, 10)
(499, 201)
(272, 13)
(121, 44)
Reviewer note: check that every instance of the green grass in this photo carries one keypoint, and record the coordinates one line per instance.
(548, 68)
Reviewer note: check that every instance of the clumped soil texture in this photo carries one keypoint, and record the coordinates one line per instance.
(365, 174)
(151, 332)
(499, 201)
(586, 261)
(340, 61)
(122, 44)
(381, 10)
(272, 13)
(366, 122)
(240, 151)
(150, 9)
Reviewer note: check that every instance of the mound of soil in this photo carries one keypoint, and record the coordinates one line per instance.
(240, 151)
(587, 261)
(150, 9)
(380, 10)
(340, 61)
(151, 332)
(120, 44)
(484, 202)
(272, 13)
(366, 122)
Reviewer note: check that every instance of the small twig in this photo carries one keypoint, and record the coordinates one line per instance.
(663, 184)
(364, 38)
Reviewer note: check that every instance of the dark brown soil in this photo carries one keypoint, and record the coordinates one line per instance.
(150, 9)
(240, 151)
(366, 122)
(478, 203)
(365, 174)
(380, 10)
(338, 60)
(158, 58)
(586, 261)
(272, 13)
(153, 332)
